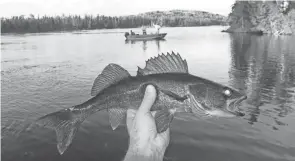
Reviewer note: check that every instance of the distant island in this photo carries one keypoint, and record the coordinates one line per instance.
(173, 18)
(263, 17)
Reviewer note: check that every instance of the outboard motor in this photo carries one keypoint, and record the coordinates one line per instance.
(126, 34)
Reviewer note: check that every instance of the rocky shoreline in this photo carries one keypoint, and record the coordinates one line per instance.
(241, 30)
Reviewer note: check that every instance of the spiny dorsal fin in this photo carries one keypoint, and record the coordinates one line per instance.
(111, 74)
(170, 63)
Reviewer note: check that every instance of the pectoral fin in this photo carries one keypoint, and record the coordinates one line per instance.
(174, 95)
(163, 119)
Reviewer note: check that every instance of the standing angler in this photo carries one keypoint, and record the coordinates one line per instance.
(116, 90)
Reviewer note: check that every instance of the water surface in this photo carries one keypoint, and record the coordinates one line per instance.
(43, 73)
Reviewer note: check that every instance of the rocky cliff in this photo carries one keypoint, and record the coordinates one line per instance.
(268, 17)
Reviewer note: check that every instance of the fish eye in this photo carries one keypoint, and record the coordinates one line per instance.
(227, 92)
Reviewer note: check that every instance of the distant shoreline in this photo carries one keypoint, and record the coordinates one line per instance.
(173, 18)
(87, 31)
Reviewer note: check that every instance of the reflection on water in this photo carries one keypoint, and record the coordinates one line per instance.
(145, 43)
(264, 68)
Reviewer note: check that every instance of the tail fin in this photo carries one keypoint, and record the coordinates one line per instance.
(65, 123)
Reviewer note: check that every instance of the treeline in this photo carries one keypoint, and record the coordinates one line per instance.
(32, 24)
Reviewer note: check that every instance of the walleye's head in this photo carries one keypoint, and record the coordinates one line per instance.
(216, 100)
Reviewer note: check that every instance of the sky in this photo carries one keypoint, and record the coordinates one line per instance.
(10, 8)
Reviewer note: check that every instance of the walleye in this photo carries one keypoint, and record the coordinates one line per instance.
(115, 90)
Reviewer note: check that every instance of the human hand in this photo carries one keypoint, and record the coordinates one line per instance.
(144, 141)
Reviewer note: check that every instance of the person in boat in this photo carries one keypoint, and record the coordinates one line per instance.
(131, 32)
(157, 28)
(143, 30)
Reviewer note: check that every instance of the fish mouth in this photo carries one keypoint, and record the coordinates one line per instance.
(233, 106)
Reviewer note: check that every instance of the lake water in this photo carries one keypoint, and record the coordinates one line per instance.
(43, 73)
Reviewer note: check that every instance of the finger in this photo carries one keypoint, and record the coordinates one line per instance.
(153, 113)
(165, 134)
(131, 113)
(148, 100)
(130, 117)
(164, 137)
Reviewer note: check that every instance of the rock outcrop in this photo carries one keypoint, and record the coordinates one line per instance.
(263, 17)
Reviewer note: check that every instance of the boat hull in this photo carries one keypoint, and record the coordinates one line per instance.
(146, 37)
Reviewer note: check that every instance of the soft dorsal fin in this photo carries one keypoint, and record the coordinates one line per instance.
(170, 63)
(111, 74)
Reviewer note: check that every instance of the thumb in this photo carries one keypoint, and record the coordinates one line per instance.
(148, 99)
